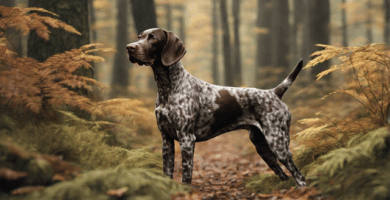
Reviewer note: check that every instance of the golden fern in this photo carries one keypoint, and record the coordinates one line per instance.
(39, 86)
(131, 113)
(24, 21)
(43, 86)
(367, 67)
(366, 71)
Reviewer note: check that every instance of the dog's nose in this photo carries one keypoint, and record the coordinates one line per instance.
(130, 47)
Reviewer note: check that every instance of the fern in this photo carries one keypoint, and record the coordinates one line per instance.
(43, 86)
(131, 113)
(24, 21)
(368, 69)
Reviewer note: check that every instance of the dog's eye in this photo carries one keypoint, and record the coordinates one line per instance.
(139, 37)
(153, 37)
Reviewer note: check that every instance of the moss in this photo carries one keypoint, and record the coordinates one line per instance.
(266, 183)
(359, 171)
(140, 184)
(78, 141)
(106, 167)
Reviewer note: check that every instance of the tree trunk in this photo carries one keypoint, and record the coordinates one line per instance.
(93, 23)
(297, 31)
(386, 34)
(144, 14)
(263, 25)
(318, 31)
(368, 23)
(14, 37)
(120, 75)
(215, 69)
(344, 23)
(237, 44)
(181, 20)
(74, 13)
(168, 8)
(304, 49)
(280, 43)
(229, 79)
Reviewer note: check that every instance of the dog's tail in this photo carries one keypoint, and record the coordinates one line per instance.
(282, 87)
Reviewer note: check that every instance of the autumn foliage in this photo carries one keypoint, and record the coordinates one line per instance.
(365, 70)
(43, 86)
(24, 20)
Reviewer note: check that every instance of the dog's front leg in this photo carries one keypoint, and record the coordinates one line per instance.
(168, 153)
(187, 146)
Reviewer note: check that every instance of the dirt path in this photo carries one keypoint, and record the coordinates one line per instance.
(221, 166)
(219, 169)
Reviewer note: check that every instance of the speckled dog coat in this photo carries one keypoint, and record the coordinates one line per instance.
(190, 110)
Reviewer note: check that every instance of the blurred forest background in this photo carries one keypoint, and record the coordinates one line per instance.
(72, 100)
(252, 43)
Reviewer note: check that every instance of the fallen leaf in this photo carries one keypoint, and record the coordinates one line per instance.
(9, 174)
(26, 190)
(118, 193)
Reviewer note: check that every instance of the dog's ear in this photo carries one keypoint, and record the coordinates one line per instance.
(173, 50)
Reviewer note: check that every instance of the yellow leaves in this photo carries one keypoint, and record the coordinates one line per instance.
(366, 69)
(310, 132)
(328, 71)
(366, 73)
(36, 85)
(326, 54)
(126, 107)
(309, 121)
(21, 19)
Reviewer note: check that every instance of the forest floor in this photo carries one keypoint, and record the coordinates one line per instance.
(223, 164)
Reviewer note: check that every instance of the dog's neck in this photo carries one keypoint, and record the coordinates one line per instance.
(168, 79)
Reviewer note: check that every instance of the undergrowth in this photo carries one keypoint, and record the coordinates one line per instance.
(366, 73)
(337, 152)
(76, 140)
(83, 143)
(358, 171)
(40, 87)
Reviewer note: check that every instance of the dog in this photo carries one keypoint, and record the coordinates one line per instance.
(190, 110)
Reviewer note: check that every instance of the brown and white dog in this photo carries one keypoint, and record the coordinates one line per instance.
(190, 110)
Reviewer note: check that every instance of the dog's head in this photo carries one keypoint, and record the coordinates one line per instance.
(155, 46)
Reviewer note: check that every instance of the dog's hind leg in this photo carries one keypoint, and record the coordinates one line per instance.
(265, 152)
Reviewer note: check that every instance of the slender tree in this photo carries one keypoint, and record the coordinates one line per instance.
(279, 37)
(318, 30)
(386, 34)
(296, 31)
(215, 67)
(182, 29)
(237, 44)
(368, 23)
(168, 8)
(13, 37)
(144, 14)
(344, 23)
(263, 27)
(304, 48)
(120, 75)
(229, 78)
